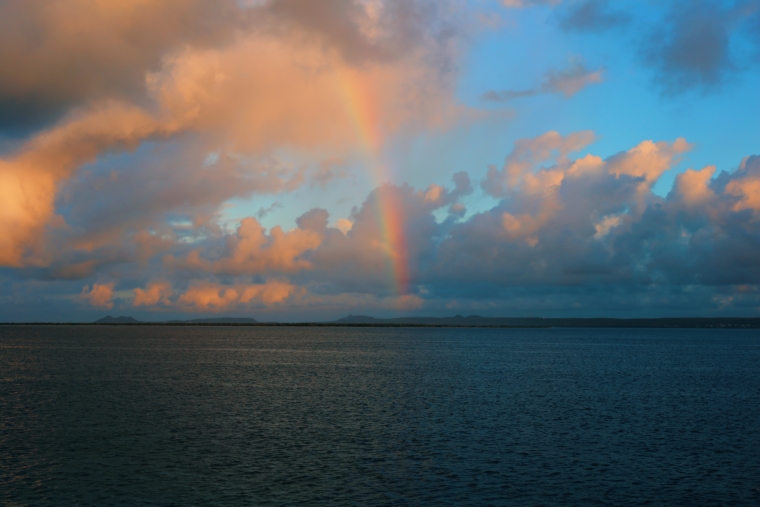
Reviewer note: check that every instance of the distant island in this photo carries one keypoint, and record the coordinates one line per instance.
(457, 321)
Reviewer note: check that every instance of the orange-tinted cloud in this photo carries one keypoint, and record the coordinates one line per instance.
(215, 297)
(29, 179)
(267, 90)
(520, 180)
(62, 53)
(648, 160)
(153, 294)
(251, 251)
(746, 187)
(100, 296)
(694, 186)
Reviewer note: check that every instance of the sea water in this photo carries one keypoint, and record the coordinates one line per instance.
(99, 415)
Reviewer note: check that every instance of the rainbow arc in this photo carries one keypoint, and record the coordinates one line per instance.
(362, 107)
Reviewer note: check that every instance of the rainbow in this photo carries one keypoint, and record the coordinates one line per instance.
(363, 111)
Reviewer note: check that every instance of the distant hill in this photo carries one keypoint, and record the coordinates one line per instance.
(117, 320)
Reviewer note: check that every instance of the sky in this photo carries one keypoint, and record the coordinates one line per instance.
(294, 160)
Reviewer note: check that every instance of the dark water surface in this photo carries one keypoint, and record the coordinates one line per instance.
(336, 416)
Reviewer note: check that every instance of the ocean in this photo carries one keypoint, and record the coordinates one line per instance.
(160, 416)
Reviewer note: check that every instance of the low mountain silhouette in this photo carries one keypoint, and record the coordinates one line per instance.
(117, 320)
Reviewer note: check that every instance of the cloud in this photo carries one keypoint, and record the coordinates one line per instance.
(595, 222)
(563, 222)
(328, 171)
(206, 296)
(344, 225)
(591, 16)
(29, 179)
(745, 185)
(251, 251)
(138, 122)
(521, 4)
(214, 297)
(366, 30)
(263, 212)
(100, 296)
(528, 152)
(568, 82)
(244, 98)
(691, 49)
(160, 197)
(571, 231)
(153, 294)
(58, 54)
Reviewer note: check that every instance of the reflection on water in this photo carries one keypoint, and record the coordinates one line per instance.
(362, 416)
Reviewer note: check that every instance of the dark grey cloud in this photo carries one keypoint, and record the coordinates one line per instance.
(691, 48)
(592, 16)
(263, 212)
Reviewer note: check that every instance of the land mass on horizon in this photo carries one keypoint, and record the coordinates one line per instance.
(465, 321)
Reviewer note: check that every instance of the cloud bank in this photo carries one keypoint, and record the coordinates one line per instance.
(130, 129)
(572, 226)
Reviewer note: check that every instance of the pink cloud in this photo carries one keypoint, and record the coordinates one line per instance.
(251, 251)
(155, 293)
(244, 96)
(100, 296)
(215, 297)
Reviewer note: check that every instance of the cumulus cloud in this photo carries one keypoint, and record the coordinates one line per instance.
(591, 222)
(568, 82)
(99, 296)
(745, 185)
(153, 294)
(567, 227)
(251, 251)
(209, 296)
(215, 297)
(527, 153)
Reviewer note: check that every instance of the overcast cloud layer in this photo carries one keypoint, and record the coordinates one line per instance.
(288, 159)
